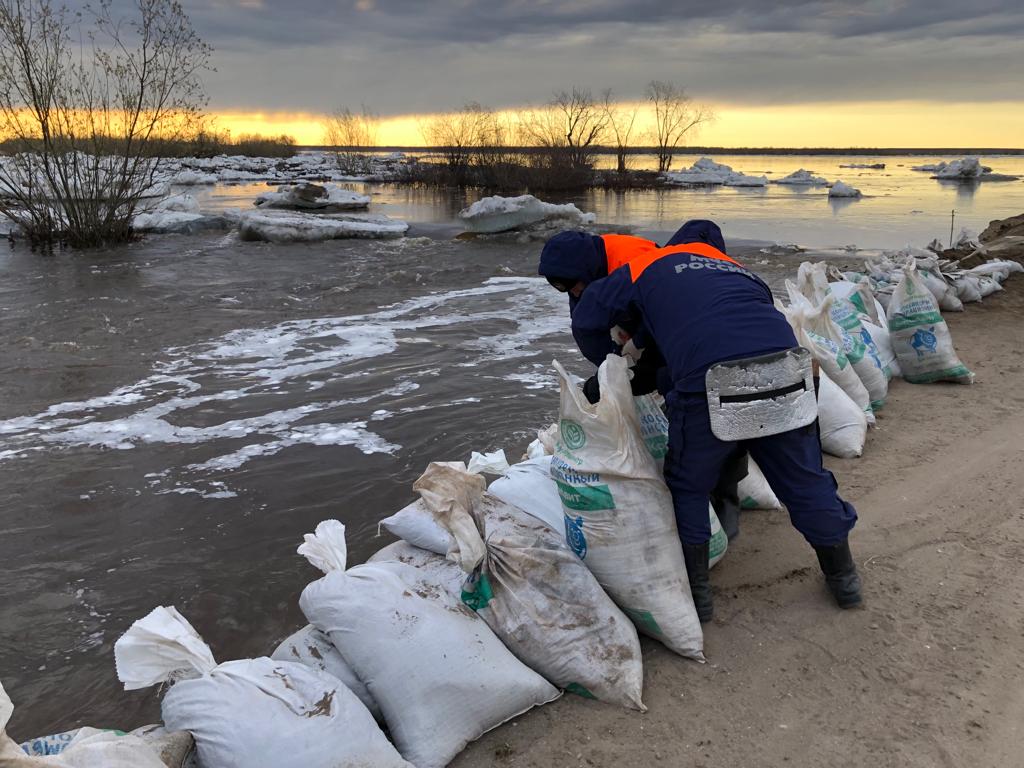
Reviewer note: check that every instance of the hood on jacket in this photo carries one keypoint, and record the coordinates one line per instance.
(699, 231)
(573, 257)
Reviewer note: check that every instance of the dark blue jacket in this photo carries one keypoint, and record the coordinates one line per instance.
(699, 311)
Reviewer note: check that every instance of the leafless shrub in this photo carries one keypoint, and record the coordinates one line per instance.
(675, 115)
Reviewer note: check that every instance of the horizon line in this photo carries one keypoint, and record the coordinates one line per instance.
(886, 151)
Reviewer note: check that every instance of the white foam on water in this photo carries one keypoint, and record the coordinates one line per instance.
(295, 356)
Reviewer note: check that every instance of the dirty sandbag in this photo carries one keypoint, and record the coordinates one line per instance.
(619, 515)
(842, 424)
(493, 463)
(754, 491)
(416, 525)
(539, 598)
(919, 335)
(313, 648)
(438, 673)
(249, 712)
(90, 747)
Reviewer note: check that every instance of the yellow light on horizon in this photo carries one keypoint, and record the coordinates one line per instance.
(913, 124)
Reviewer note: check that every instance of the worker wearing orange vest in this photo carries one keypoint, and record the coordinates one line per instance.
(710, 318)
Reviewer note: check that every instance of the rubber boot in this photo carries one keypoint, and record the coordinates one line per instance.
(840, 574)
(696, 557)
(725, 498)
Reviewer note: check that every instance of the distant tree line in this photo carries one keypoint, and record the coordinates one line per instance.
(546, 147)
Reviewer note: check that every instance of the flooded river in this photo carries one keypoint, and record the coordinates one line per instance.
(176, 413)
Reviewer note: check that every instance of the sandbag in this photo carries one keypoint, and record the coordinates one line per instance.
(859, 294)
(249, 712)
(313, 648)
(860, 349)
(919, 335)
(880, 336)
(944, 293)
(538, 597)
(439, 674)
(754, 491)
(619, 514)
(842, 423)
(812, 281)
(816, 332)
(968, 287)
(435, 569)
(528, 486)
(89, 747)
(415, 524)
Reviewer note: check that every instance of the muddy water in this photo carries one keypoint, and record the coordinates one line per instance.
(175, 414)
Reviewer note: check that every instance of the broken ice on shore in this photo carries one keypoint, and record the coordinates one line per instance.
(842, 189)
(503, 214)
(802, 178)
(310, 227)
(308, 196)
(706, 172)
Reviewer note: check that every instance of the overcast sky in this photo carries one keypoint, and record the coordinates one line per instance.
(413, 56)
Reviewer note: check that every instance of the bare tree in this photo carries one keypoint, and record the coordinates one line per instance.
(89, 104)
(583, 123)
(675, 115)
(351, 131)
(459, 136)
(620, 122)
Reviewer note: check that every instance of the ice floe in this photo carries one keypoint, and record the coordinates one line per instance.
(873, 166)
(503, 214)
(802, 178)
(706, 172)
(298, 227)
(842, 189)
(965, 169)
(320, 197)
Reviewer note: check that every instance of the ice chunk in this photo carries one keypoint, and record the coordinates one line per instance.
(326, 197)
(310, 227)
(801, 178)
(184, 203)
(707, 172)
(180, 222)
(874, 166)
(842, 189)
(189, 177)
(501, 214)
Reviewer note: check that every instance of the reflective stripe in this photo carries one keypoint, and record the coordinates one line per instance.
(638, 265)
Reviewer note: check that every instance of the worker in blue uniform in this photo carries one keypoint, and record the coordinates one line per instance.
(702, 309)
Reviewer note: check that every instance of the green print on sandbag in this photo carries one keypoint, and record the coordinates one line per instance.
(572, 434)
(479, 592)
(586, 498)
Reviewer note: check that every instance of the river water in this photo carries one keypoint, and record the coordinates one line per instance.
(176, 413)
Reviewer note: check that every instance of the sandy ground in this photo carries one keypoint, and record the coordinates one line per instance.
(930, 672)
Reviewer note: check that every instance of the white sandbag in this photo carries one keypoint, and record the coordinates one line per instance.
(754, 491)
(843, 424)
(944, 293)
(859, 347)
(812, 281)
(539, 598)
(988, 285)
(653, 425)
(920, 337)
(439, 675)
(528, 486)
(416, 525)
(444, 575)
(880, 336)
(860, 295)
(493, 463)
(619, 514)
(816, 332)
(249, 712)
(313, 648)
(968, 287)
(82, 748)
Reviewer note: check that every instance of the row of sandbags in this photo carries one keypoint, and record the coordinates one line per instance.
(494, 600)
(866, 328)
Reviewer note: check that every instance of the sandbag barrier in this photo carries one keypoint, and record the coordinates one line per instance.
(454, 629)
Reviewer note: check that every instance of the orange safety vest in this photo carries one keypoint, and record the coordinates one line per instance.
(639, 254)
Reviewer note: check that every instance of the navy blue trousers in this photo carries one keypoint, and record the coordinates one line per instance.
(791, 462)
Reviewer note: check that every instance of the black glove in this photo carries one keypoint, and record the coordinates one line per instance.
(592, 390)
(645, 378)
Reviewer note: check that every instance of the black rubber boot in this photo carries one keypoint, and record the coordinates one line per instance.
(696, 557)
(840, 574)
